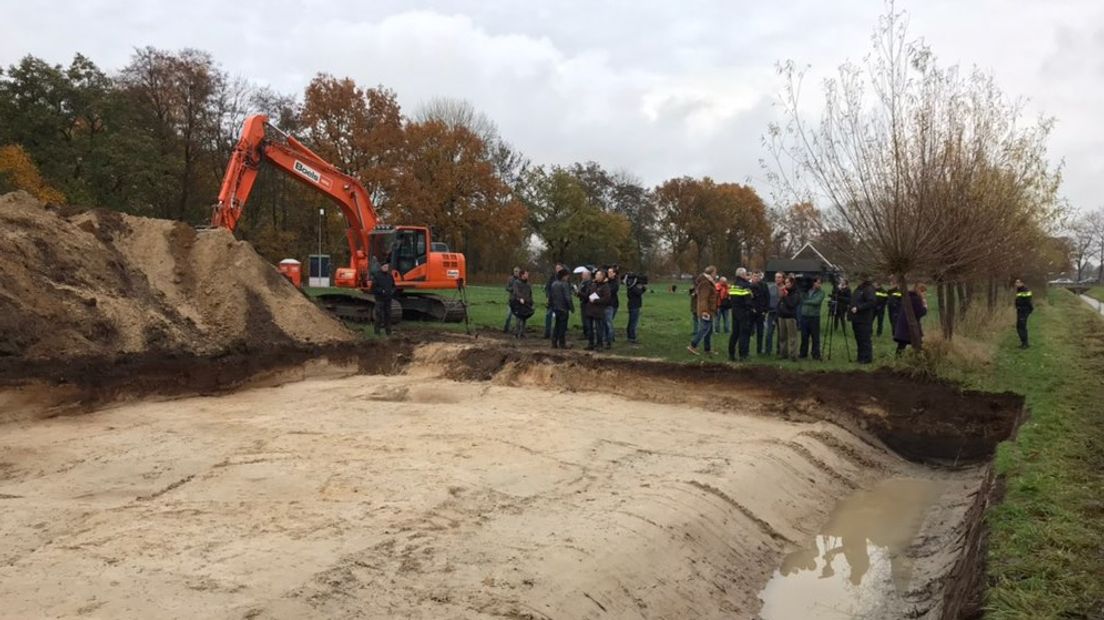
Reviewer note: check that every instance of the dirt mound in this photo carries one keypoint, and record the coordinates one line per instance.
(104, 284)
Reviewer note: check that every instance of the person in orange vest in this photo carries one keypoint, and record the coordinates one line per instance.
(724, 307)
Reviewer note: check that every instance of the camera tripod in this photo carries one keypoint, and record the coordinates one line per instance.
(842, 320)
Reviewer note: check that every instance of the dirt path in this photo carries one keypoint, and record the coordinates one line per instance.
(413, 496)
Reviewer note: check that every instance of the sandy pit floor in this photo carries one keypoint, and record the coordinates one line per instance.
(414, 496)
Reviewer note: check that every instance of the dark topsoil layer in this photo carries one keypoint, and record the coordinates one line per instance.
(927, 421)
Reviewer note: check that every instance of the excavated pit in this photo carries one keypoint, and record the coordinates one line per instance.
(443, 479)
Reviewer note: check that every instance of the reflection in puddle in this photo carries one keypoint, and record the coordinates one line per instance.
(856, 564)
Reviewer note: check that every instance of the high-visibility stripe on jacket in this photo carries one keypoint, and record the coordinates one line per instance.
(881, 294)
(1024, 294)
(739, 291)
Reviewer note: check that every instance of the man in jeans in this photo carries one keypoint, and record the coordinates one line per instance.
(760, 304)
(705, 288)
(614, 281)
(549, 314)
(772, 312)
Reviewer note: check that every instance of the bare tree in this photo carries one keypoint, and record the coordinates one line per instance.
(1082, 243)
(931, 172)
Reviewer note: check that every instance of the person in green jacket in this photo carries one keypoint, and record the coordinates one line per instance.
(810, 320)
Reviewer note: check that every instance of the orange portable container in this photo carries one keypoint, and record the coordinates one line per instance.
(292, 270)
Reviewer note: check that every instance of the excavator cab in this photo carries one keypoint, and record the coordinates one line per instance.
(406, 248)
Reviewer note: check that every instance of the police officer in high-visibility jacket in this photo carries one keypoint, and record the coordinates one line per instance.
(880, 309)
(740, 296)
(1024, 308)
(894, 297)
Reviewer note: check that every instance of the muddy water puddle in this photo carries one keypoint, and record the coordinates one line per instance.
(856, 565)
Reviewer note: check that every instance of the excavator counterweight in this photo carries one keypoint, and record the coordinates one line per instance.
(418, 268)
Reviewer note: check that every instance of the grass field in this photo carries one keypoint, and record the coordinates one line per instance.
(1097, 292)
(1046, 551)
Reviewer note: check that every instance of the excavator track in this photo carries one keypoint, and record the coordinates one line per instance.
(360, 307)
(428, 307)
(356, 307)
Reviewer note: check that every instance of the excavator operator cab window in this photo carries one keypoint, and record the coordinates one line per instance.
(409, 250)
(383, 243)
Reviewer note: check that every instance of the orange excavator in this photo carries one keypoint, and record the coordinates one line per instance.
(418, 264)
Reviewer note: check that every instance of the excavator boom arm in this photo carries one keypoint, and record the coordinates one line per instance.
(293, 157)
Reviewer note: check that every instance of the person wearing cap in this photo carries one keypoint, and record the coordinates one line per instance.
(383, 289)
(1024, 308)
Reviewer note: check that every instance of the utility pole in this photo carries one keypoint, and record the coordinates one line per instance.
(321, 214)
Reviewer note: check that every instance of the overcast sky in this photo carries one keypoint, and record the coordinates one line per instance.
(659, 89)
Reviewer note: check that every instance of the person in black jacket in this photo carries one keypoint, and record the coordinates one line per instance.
(760, 305)
(521, 302)
(739, 295)
(1024, 308)
(549, 314)
(635, 293)
(864, 304)
(559, 300)
(595, 312)
(383, 289)
(614, 282)
(789, 304)
(586, 287)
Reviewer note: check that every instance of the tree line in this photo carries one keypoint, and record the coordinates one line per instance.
(154, 137)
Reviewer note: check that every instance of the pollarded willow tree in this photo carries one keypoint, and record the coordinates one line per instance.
(933, 172)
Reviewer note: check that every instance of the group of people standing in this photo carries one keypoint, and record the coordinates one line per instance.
(598, 293)
(749, 307)
(869, 304)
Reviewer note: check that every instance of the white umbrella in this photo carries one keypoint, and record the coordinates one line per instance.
(581, 269)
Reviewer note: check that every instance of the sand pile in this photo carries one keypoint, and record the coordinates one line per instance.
(102, 283)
